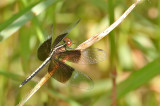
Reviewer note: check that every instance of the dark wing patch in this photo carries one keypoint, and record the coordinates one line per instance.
(85, 56)
(62, 36)
(66, 74)
(62, 73)
(44, 49)
(71, 56)
(59, 39)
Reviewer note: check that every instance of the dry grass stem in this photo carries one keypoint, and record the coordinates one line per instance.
(84, 45)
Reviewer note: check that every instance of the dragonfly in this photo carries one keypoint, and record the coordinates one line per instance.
(56, 55)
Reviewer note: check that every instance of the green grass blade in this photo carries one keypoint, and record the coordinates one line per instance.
(139, 78)
(100, 4)
(112, 34)
(71, 101)
(14, 23)
(135, 80)
(10, 75)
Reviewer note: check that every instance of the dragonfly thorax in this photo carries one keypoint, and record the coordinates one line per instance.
(62, 47)
(59, 48)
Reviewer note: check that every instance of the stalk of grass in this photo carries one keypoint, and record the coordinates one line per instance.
(111, 34)
(135, 80)
(84, 45)
(138, 78)
(112, 51)
(35, 20)
(159, 26)
(17, 21)
(100, 4)
(10, 75)
(16, 77)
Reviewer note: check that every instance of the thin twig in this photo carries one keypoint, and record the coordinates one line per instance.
(99, 36)
(113, 53)
(84, 45)
(114, 89)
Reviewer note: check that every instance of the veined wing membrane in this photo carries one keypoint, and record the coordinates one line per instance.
(45, 48)
(84, 56)
(81, 81)
(62, 36)
(62, 71)
(59, 39)
(66, 74)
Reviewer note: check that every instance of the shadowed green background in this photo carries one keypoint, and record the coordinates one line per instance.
(25, 24)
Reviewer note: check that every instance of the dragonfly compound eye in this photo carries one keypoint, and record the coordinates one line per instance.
(67, 41)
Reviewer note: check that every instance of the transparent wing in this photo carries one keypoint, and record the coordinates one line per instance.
(66, 74)
(81, 81)
(45, 47)
(85, 56)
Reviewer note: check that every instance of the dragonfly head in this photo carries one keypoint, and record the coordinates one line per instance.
(67, 41)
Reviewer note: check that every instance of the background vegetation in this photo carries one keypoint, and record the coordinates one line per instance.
(133, 51)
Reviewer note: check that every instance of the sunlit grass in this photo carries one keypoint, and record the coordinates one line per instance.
(136, 51)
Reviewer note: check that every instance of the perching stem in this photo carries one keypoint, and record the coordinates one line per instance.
(84, 45)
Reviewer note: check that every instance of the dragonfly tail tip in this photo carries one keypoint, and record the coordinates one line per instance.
(20, 86)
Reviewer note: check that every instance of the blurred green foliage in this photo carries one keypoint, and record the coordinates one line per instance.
(25, 24)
